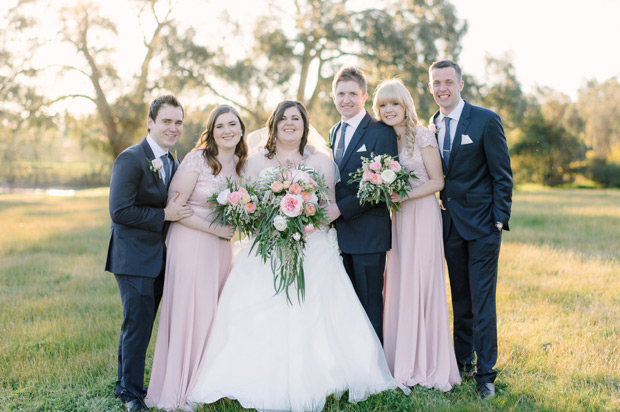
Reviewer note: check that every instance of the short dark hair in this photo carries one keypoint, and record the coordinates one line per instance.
(272, 126)
(442, 64)
(162, 100)
(350, 73)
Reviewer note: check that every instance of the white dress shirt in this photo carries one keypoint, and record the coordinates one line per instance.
(353, 122)
(454, 116)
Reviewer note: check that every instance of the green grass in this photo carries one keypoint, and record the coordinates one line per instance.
(558, 305)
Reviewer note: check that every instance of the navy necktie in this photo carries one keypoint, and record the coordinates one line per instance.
(167, 167)
(446, 141)
(340, 147)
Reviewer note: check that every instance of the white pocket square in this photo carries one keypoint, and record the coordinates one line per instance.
(465, 139)
(362, 149)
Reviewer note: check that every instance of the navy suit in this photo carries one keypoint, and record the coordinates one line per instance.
(364, 232)
(477, 195)
(136, 256)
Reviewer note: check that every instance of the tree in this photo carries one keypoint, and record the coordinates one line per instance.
(548, 149)
(501, 91)
(599, 108)
(121, 103)
(297, 50)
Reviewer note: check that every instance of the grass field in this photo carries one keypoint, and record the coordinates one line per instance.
(558, 306)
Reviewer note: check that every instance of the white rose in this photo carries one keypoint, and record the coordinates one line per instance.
(297, 236)
(314, 199)
(279, 222)
(377, 158)
(388, 176)
(222, 198)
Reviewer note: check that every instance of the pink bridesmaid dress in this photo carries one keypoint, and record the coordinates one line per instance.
(417, 339)
(197, 265)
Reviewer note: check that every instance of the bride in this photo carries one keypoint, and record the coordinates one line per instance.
(276, 356)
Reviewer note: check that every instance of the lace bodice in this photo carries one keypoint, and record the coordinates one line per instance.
(413, 159)
(207, 183)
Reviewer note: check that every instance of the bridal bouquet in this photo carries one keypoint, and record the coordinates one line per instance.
(379, 177)
(236, 205)
(289, 208)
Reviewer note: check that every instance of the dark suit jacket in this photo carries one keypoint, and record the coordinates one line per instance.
(137, 200)
(363, 229)
(478, 188)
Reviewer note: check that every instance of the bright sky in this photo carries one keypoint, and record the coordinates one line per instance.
(555, 43)
(552, 43)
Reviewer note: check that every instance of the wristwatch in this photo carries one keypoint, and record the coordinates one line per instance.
(499, 226)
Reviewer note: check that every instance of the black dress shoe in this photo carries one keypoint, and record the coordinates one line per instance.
(135, 405)
(486, 390)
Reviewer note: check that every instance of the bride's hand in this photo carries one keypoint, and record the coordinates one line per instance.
(332, 210)
(396, 198)
(224, 232)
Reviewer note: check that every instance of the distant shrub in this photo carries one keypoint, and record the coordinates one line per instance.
(604, 172)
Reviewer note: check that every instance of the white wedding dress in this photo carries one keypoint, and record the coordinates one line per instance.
(274, 356)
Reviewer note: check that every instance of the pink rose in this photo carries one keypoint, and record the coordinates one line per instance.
(301, 175)
(234, 198)
(157, 163)
(376, 166)
(276, 187)
(291, 205)
(295, 189)
(309, 229)
(313, 182)
(250, 208)
(376, 179)
(243, 190)
(367, 176)
(395, 166)
(310, 209)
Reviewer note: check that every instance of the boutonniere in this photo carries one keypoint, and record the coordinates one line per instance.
(329, 144)
(176, 158)
(433, 128)
(155, 165)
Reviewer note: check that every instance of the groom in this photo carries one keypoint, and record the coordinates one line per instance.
(476, 200)
(137, 250)
(364, 232)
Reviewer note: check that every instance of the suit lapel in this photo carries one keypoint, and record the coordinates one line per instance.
(158, 181)
(355, 139)
(460, 129)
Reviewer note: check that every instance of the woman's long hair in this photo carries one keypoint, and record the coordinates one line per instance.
(272, 126)
(394, 91)
(207, 143)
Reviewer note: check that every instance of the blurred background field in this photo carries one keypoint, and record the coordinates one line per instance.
(558, 305)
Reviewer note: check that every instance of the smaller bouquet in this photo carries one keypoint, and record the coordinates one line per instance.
(379, 177)
(290, 209)
(236, 205)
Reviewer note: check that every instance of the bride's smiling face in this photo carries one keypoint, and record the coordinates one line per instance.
(290, 126)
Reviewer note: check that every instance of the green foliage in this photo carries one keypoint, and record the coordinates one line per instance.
(313, 39)
(558, 305)
(501, 92)
(546, 149)
(599, 108)
(604, 172)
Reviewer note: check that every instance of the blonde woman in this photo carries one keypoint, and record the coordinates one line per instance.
(416, 333)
